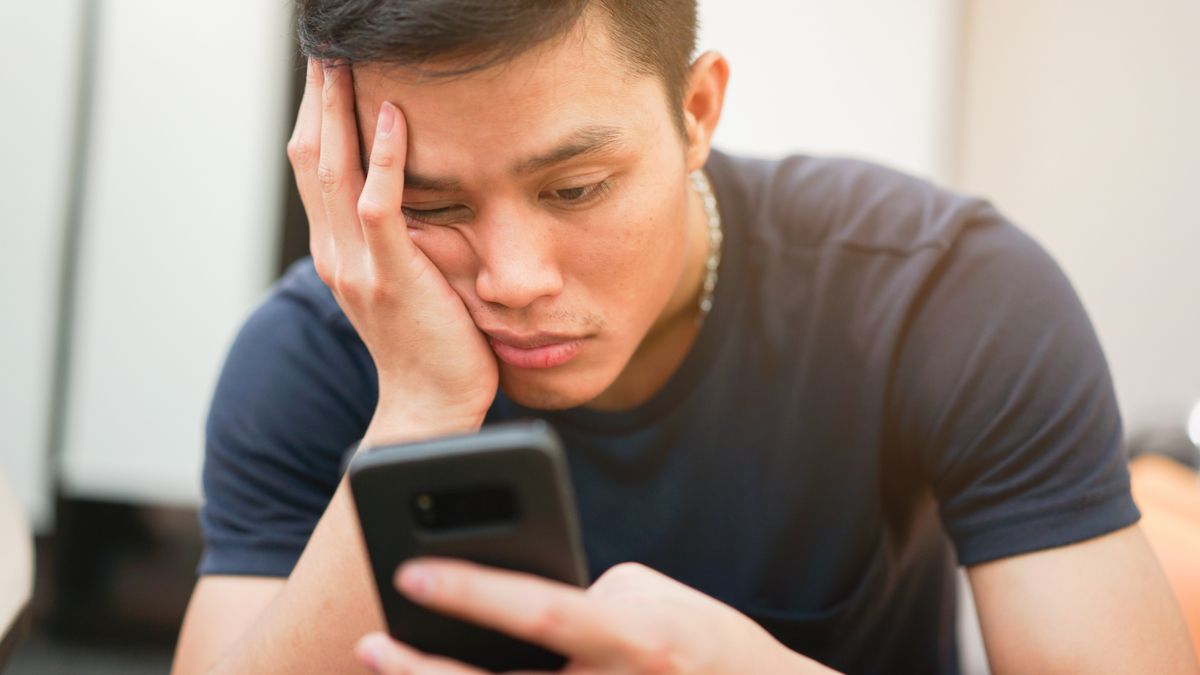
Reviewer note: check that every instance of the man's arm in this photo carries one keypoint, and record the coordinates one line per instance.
(308, 623)
(222, 608)
(1100, 606)
(311, 621)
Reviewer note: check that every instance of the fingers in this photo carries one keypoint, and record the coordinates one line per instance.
(383, 225)
(554, 615)
(339, 173)
(304, 151)
(344, 209)
(388, 657)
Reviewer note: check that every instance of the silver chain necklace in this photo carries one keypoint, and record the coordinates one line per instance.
(701, 184)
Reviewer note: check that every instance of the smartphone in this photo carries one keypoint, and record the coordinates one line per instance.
(499, 497)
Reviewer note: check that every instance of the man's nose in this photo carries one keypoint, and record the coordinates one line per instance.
(517, 262)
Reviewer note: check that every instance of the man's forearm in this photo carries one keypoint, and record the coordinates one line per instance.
(329, 601)
(326, 605)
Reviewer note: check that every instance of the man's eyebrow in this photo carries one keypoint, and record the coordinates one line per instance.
(412, 180)
(415, 181)
(593, 140)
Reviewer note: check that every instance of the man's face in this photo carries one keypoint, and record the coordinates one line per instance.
(551, 192)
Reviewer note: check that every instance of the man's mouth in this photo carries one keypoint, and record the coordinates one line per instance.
(536, 350)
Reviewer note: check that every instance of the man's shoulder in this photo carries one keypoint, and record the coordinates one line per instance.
(297, 330)
(813, 202)
(296, 336)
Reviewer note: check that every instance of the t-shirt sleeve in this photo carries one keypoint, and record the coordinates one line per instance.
(293, 395)
(1003, 397)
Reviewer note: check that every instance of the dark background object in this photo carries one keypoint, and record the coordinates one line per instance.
(294, 240)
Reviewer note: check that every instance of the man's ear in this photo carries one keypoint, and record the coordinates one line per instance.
(702, 104)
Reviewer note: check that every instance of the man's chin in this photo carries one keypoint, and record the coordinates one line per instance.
(542, 396)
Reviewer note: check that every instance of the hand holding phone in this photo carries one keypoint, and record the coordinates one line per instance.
(500, 497)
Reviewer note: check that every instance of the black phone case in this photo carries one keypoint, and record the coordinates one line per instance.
(543, 538)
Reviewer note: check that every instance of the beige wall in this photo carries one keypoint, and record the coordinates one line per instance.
(1081, 119)
(870, 78)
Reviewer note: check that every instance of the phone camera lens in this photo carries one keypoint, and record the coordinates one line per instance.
(426, 515)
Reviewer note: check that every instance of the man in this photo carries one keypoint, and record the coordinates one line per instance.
(771, 378)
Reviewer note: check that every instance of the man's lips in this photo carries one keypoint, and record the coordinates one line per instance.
(535, 351)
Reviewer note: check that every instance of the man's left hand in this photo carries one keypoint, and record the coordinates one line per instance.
(631, 620)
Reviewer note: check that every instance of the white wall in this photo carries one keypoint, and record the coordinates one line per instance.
(179, 234)
(1082, 121)
(39, 81)
(870, 78)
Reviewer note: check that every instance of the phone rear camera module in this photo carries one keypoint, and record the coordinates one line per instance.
(483, 506)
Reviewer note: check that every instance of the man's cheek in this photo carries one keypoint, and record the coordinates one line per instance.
(452, 255)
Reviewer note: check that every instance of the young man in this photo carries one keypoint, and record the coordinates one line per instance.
(776, 381)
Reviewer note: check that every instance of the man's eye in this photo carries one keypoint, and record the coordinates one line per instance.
(579, 195)
(432, 216)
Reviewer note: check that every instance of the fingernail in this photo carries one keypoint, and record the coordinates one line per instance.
(387, 120)
(415, 580)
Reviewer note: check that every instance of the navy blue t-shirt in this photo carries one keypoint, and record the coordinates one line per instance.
(889, 370)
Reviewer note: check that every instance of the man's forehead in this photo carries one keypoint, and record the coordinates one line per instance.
(520, 136)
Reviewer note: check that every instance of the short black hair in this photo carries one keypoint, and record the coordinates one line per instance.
(655, 37)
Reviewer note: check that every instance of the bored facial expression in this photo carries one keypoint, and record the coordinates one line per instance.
(551, 192)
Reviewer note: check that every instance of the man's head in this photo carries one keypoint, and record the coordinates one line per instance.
(447, 38)
(546, 176)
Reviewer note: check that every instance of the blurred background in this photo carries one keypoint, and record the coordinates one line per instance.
(147, 207)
